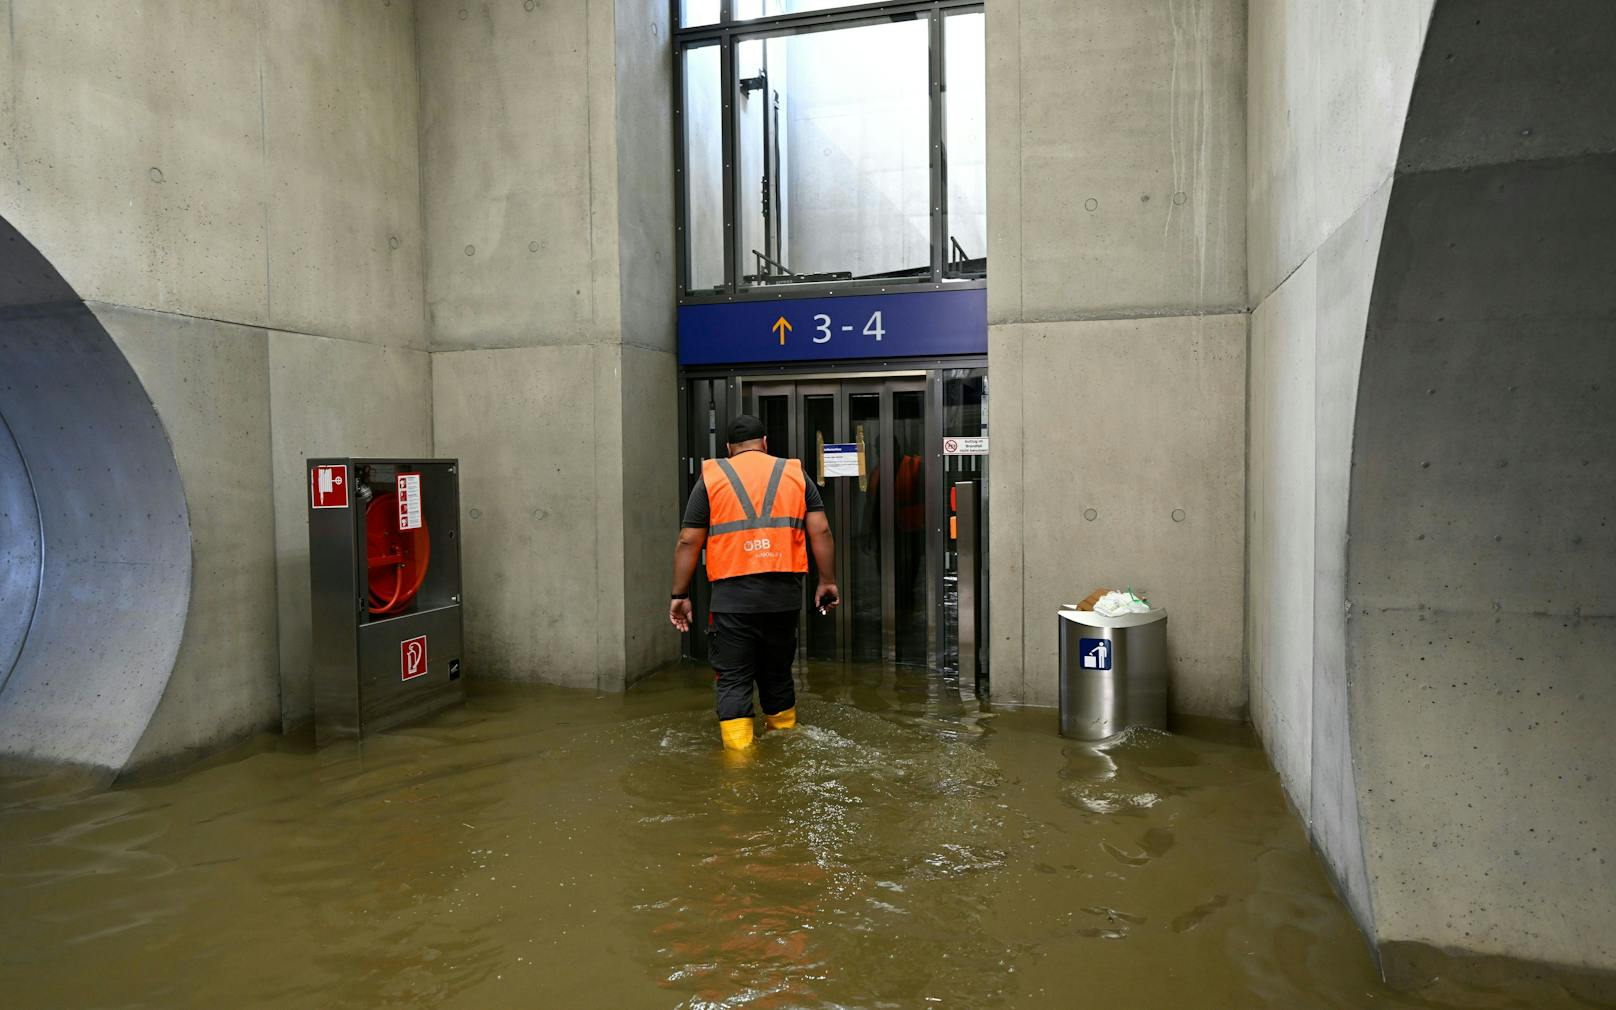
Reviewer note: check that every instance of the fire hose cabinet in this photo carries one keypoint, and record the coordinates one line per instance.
(384, 588)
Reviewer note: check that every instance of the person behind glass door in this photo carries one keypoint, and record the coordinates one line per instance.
(757, 515)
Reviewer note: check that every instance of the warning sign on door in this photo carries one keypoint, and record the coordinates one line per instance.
(965, 446)
(409, 501)
(412, 657)
(328, 487)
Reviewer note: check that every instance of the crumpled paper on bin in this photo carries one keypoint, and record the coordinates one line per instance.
(1115, 604)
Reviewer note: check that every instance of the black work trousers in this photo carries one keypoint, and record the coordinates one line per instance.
(748, 649)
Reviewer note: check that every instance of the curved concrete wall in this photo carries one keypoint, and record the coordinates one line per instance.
(21, 552)
(234, 192)
(1482, 552)
(109, 552)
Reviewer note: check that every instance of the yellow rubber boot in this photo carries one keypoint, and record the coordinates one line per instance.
(737, 733)
(782, 720)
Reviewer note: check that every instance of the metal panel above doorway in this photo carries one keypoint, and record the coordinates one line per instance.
(857, 327)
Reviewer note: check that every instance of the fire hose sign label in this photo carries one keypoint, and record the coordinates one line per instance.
(409, 501)
(328, 487)
(412, 658)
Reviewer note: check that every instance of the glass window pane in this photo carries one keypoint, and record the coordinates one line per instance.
(863, 553)
(909, 544)
(704, 168)
(833, 168)
(775, 413)
(819, 428)
(965, 125)
(694, 13)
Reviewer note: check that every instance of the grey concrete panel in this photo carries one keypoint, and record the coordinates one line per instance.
(612, 482)
(1004, 167)
(1280, 518)
(209, 382)
(1282, 226)
(1480, 561)
(139, 146)
(1507, 83)
(1131, 158)
(1346, 270)
(21, 552)
(1328, 89)
(1008, 617)
(330, 398)
(518, 252)
(644, 90)
(650, 507)
(340, 99)
(522, 423)
(8, 117)
(1135, 419)
(116, 542)
(1367, 53)
(27, 279)
(256, 163)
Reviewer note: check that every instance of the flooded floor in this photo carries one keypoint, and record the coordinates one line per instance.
(550, 848)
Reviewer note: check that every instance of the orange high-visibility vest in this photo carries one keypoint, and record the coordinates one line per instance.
(911, 503)
(757, 515)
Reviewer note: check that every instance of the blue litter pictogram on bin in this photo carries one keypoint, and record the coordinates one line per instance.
(1096, 653)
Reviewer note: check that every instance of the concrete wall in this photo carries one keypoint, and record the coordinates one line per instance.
(1423, 291)
(1481, 566)
(233, 187)
(1328, 86)
(1117, 331)
(237, 192)
(548, 207)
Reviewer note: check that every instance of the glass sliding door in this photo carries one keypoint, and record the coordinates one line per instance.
(878, 510)
(820, 640)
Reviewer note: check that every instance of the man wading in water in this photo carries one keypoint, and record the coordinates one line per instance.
(757, 515)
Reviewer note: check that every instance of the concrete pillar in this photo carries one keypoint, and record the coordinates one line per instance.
(548, 204)
(1117, 329)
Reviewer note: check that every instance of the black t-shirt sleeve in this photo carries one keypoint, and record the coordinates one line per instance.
(696, 509)
(816, 501)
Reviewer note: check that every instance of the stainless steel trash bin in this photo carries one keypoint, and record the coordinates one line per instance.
(1113, 673)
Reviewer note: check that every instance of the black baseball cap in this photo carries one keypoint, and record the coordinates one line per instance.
(745, 428)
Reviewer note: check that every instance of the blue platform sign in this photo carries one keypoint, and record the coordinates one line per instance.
(1096, 653)
(909, 325)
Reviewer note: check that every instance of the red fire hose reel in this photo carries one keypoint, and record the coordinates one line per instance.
(397, 558)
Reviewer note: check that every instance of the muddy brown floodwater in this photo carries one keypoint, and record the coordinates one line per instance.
(549, 848)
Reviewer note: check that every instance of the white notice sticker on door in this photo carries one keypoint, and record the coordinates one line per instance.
(965, 446)
(409, 501)
(841, 459)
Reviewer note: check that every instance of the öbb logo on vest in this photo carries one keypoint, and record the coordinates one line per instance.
(761, 544)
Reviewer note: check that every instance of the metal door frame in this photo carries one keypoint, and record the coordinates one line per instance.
(727, 388)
